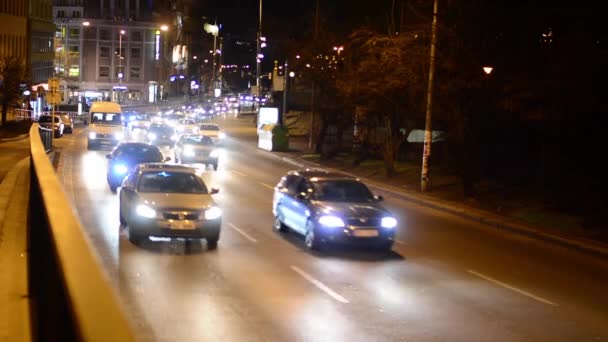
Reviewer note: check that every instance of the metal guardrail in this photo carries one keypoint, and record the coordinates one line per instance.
(46, 136)
(71, 297)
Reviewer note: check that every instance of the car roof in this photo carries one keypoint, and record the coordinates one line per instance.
(152, 167)
(321, 174)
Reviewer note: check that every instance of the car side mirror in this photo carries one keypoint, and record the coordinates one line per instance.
(378, 198)
(214, 191)
(108, 156)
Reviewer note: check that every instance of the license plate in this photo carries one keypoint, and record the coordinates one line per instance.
(366, 233)
(182, 225)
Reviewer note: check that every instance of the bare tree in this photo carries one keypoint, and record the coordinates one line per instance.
(12, 71)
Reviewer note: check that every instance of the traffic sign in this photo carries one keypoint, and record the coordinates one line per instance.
(53, 98)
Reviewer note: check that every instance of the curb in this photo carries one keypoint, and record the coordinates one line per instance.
(462, 212)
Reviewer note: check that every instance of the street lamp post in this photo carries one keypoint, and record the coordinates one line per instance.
(120, 72)
(258, 60)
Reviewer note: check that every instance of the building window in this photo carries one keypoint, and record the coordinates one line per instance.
(75, 14)
(104, 34)
(104, 71)
(135, 53)
(74, 33)
(104, 51)
(74, 70)
(74, 49)
(136, 36)
(134, 73)
(61, 14)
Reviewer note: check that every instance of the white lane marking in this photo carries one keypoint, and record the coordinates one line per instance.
(512, 288)
(268, 186)
(320, 285)
(238, 173)
(242, 232)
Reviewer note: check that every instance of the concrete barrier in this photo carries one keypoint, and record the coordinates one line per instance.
(71, 297)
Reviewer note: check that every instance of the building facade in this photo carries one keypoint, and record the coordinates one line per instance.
(41, 29)
(13, 30)
(108, 50)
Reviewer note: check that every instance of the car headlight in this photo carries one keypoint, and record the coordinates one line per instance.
(213, 213)
(210, 111)
(388, 222)
(214, 154)
(221, 135)
(331, 221)
(174, 137)
(152, 136)
(92, 135)
(119, 135)
(120, 169)
(189, 151)
(145, 211)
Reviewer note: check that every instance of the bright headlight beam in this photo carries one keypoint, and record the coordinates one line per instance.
(145, 211)
(388, 222)
(213, 213)
(92, 135)
(331, 221)
(120, 169)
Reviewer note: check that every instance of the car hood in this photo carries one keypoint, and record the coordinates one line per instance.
(346, 209)
(131, 161)
(177, 200)
(209, 133)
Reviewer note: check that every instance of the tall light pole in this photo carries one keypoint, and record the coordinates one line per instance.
(120, 72)
(258, 53)
(428, 131)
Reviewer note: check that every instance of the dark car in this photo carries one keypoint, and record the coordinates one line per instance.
(125, 156)
(161, 134)
(57, 125)
(329, 207)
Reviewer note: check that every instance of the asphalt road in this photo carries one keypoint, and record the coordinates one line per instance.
(446, 278)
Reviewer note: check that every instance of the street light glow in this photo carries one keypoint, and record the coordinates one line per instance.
(487, 69)
(86, 23)
(122, 31)
(292, 74)
(164, 27)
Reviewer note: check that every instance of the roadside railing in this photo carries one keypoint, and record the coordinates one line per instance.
(25, 114)
(46, 136)
(70, 295)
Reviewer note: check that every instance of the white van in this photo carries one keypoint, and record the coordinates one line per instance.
(105, 124)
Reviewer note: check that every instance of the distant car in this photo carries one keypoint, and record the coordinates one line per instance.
(125, 156)
(161, 134)
(213, 131)
(187, 126)
(68, 124)
(57, 125)
(173, 119)
(194, 148)
(329, 207)
(141, 121)
(168, 201)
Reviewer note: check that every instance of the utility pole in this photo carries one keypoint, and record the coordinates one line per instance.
(257, 55)
(285, 82)
(312, 92)
(428, 131)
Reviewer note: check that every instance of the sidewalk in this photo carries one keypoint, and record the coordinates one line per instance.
(522, 218)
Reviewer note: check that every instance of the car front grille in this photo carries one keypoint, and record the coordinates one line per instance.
(363, 222)
(181, 215)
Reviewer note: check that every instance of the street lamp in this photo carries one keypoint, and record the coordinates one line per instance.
(488, 69)
(86, 23)
(338, 49)
(120, 73)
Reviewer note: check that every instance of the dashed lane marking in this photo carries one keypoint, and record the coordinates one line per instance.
(243, 233)
(320, 285)
(512, 288)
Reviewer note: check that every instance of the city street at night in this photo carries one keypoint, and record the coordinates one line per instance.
(446, 278)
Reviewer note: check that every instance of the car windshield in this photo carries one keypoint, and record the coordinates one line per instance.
(106, 118)
(209, 128)
(341, 191)
(171, 182)
(161, 129)
(142, 117)
(197, 140)
(48, 119)
(173, 117)
(186, 122)
(139, 152)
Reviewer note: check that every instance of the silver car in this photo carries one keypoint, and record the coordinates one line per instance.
(168, 201)
(194, 148)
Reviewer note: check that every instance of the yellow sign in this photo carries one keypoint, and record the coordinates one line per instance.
(53, 84)
(53, 98)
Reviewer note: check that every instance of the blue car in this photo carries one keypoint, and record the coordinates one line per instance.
(329, 207)
(127, 155)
